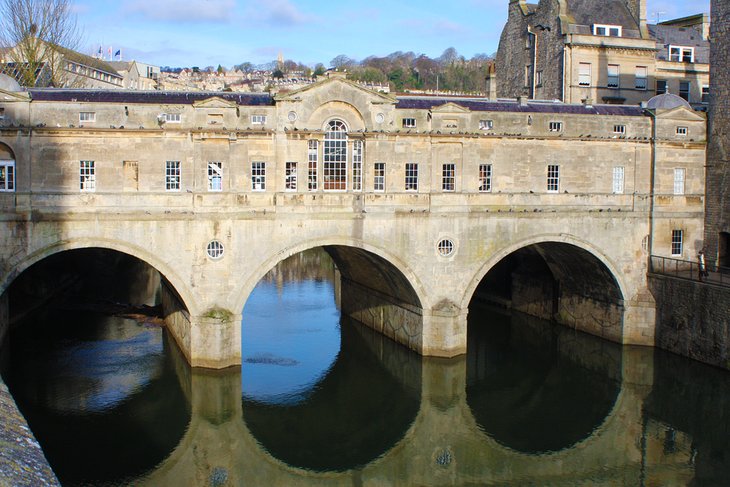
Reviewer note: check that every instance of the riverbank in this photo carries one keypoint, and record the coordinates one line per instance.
(22, 462)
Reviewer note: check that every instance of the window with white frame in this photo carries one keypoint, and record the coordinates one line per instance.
(613, 73)
(661, 86)
(607, 30)
(409, 123)
(641, 81)
(677, 240)
(486, 124)
(215, 176)
(173, 117)
(258, 119)
(705, 93)
(553, 178)
(682, 131)
(357, 149)
(258, 176)
(312, 162)
(87, 176)
(448, 177)
(684, 89)
(411, 176)
(682, 54)
(555, 126)
(584, 74)
(379, 177)
(172, 176)
(290, 176)
(7, 175)
(618, 180)
(485, 178)
(87, 117)
(335, 156)
(679, 174)
(619, 129)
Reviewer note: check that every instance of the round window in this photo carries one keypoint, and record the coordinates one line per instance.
(380, 118)
(445, 247)
(292, 116)
(215, 249)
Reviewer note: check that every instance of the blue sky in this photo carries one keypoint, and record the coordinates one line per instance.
(228, 32)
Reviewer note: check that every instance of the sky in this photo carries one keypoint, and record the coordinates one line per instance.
(185, 33)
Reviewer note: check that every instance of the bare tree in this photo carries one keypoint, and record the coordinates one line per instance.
(35, 35)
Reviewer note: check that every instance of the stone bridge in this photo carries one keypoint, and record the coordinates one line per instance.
(413, 241)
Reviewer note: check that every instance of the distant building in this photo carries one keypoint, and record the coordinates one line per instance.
(137, 75)
(602, 52)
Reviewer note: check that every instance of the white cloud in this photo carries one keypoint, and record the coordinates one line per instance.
(279, 13)
(182, 10)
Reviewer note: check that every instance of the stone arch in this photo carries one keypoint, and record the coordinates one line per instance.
(241, 293)
(338, 109)
(548, 238)
(19, 266)
(6, 152)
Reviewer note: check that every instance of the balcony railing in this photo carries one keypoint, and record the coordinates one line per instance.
(687, 269)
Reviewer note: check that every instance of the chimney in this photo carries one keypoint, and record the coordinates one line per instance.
(637, 8)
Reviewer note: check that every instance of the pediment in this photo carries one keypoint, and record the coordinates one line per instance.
(336, 89)
(214, 102)
(450, 108)
(683, 114)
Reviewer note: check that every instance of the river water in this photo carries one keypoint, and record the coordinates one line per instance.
(322, 400)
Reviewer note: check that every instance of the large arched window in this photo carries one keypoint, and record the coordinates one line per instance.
(7, 169)
(335, 156)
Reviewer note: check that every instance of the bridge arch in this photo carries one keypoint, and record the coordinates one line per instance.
(19, 266)
(583, 276)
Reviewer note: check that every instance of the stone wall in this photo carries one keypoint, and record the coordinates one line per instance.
(717, 217)
(693, 319)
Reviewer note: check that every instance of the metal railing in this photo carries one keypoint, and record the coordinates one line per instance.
(687, 269)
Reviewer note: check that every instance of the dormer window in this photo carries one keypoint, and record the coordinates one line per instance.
(607, 30)
(682, 54)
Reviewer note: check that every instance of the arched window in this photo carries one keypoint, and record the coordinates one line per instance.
(335, 156)
(7, 169)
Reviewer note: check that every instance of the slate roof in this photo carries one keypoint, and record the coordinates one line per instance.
(611, 12)
(483, 105)
(680, 36)
(150, 97)
(79, 58)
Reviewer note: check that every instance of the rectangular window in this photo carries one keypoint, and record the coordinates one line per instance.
(172, 117)
(215, 176)
(334, 168)
(258, 176)
(2, 113)
(485, 178)
(87, 117)
(411, 176)
(661, 86)
(613, 75)
(679, 174)
(87, 176)
(684, 87)
(357, 165)
(448, 177)
(618, 180)
(528, 75)
(555, 126)
(705, 94)
(642, 75)
(486, 124)
(7, 176)
(677, 238)
(172, 176)
(290, 181)
(312, 162)
(553, 178)
(538, 78)
(682, 131)
(258, 119)
(619, 129)
(607, 30)
(379, 180)
(409, 123)
(584, 74)
(682, 54)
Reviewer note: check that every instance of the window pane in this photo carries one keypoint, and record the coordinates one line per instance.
(485, 178)
(357, 165)
(335, 157)
(553, 178)
(411, 177)
(379, 182)
(679, 181)
(448, 177)
(618, 179)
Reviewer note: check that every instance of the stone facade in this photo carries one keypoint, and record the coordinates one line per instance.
(417, 198)
(555, 51)
(717, 225)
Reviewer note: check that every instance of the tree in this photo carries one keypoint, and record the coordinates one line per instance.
(342, 62)
(319, 69)
(35, 34)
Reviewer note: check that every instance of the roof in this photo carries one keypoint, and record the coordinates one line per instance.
(90, 61)
(484, 105)
(151, 97)
(607, 12)
(666, 101)
(667, 35)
